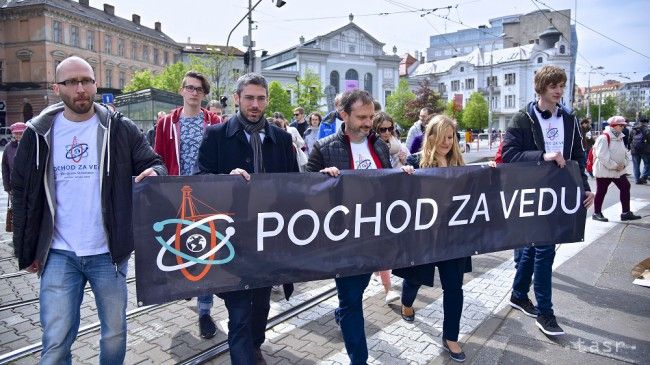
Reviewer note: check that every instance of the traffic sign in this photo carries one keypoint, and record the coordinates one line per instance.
(108, 98)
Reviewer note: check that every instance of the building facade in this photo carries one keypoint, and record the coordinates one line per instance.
(505, 77)
(36, 35)
(346, 58)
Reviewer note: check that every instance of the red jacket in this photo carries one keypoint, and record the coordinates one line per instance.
(167, 134)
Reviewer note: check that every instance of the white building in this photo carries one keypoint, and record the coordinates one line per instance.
(346, 58)
(512, 71)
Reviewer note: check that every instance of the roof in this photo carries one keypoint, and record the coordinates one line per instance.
(92, 14)
(207, 48)
(477, 58)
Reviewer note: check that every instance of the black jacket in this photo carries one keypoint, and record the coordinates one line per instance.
(335, 151)
(225, 147)
(123, 153)
(641, 129)
(524, 140)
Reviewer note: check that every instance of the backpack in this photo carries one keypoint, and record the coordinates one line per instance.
(590, 157)
(639, 141)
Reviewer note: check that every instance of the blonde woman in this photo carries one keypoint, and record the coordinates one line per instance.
(440, 149)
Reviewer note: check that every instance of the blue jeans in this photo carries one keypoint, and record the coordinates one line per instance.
(636, 166)
(451, 274)
(248, 311)
(349, 315)
(204, 304)
(536, 260)
(62, 289)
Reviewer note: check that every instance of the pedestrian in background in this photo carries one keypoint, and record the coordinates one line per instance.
(640, 148)
(440, 149)
(298, 143)
(311, 134)
(610, 165)
(9, 155)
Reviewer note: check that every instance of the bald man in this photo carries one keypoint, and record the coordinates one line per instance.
(72, 211)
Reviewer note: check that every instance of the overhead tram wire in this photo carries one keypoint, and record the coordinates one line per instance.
(597, 32)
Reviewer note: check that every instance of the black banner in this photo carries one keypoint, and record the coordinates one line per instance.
(209, 234)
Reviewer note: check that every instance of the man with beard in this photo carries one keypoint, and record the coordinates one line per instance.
(352, 147)
(72, 211)
(246, 145)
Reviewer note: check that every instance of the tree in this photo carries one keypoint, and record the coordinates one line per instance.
(171, 78)
(141, 80)
(396, 104)
(475, 115)
(424, 97)
(607, 109)
(308, 91)
(451, 112)
(279, 100)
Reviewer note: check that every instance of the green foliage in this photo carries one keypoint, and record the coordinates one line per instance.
(475, 115)
(396, 104)
(141, 80)
(279, 100)
(171, 78)
(451, 112)
(308, 92)
(607, 110)
(424, 97)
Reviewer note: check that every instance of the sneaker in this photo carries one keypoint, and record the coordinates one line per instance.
(640, 182)
(207, 327)
(548, 324)
(392, 296)
(599, 217)
(524, 305)
(259, 358)
(629, 216)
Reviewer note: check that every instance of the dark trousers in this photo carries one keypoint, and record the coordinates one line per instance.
(636, 166)
(623, 185)
(451, 279)
(248, 311)
(538, 261)
(349, 315)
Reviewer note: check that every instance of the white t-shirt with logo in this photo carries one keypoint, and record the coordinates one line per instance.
(553, 131)
(78, 223)
(361, 155)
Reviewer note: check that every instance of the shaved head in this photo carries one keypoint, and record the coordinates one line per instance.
(72, 62)
(75, 85)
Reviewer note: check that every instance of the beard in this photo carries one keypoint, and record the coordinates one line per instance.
(73, 103)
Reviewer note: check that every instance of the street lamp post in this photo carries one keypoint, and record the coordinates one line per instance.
(591, 69)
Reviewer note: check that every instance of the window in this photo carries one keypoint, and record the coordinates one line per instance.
(455, 85)
(120, 47)
(462, 69)
(1, 70)
(469, 84)
(387, 94)
(562, 49)
(74, 36)
(109, 78)
(442, 88)
(145, 53)
(334, 44)
(492, 81)
(334, 80)
(352, 48)
(510, 79)
(540, 60)
(156, 57)
(134, 51)
(56, 64)
(122, 80)
(495, 103)
(367, 83)
(108, 44)
(90, 40)
(57, 31)
(351, 75)
(165, 58)
(510, 102)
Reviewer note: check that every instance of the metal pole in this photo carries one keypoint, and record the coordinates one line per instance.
(251, 58)
(490, 91)
(588, 92)
(600, 102)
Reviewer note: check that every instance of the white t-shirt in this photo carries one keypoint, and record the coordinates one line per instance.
(361, 155)
(78, 223)
(553, 131)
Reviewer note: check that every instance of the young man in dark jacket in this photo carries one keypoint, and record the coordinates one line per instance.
(543, 131)
(640, 148)
(72, 210)
(244, 145)
(354, 147)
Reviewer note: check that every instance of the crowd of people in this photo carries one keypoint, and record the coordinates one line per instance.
(67, 252)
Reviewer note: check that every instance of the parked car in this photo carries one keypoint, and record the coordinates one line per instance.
(5, 136)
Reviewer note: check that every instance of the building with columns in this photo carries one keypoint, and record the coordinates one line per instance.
(36, 35)
(345, 58)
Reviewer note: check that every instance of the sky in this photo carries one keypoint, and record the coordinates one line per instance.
(210, 21)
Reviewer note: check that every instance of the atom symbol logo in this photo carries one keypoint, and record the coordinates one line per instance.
(76, 151)
(551, 133)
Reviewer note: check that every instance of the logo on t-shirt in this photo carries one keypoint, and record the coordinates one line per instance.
(364, 163)
(76, 151)
(551, 132)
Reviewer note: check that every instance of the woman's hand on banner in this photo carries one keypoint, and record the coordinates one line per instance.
(241, 172)
(555, 156)
(408, 169)
(148, 172)
(331, 171)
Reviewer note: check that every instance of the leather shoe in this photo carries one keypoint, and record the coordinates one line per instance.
(408, 313)
(599, 217)
(456, 356)
(629, 216)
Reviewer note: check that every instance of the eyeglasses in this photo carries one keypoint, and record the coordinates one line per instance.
(191, 89)
(387, 129)
(250, 98)
(296, 114)
(74, 82)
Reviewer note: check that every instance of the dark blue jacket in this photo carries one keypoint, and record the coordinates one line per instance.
(524, 140)
(225, 148)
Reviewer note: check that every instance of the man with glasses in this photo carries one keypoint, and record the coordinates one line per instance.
(245, 145)
(178, 137)
(299, 121)
(71, 188)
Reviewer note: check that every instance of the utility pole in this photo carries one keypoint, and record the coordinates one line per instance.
(591, 69)
(251, 55)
